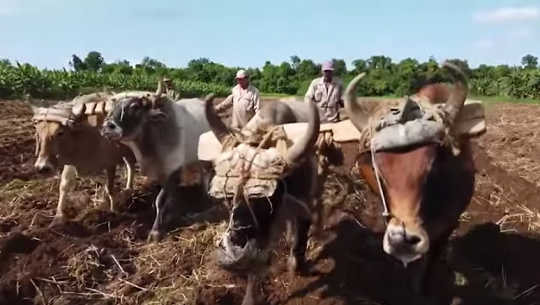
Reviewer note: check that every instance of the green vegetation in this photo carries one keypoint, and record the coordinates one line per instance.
(201, 76)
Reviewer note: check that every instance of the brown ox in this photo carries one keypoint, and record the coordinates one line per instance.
(67, 135)
(425, 185)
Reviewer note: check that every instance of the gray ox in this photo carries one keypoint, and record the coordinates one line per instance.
(425, 181)
(67, 135)
(255, 222)
(163, 136)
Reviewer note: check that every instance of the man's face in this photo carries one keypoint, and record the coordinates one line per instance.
(243, 81)
(168, 84)
(327, 75)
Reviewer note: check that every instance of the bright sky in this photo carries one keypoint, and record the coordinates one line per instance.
(248, 32)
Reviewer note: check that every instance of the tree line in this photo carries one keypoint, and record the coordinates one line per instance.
(385, 77)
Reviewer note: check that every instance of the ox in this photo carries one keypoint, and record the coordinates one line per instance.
(160, 133)
(422, 171)
(288, 111)
(67, 135)
(257, 219)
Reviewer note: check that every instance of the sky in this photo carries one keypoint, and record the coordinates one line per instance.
(247, 33)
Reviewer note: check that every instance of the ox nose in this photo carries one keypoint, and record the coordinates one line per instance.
(110, 125)
(111, 130)
(43, 169)
(402, 238)
(42, 166)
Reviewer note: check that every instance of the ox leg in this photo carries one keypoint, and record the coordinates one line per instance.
(68, 174)
(297, 256)
(156, 234)
(109, 187)
(250, 298)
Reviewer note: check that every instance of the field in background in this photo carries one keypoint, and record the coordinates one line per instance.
(101, 258)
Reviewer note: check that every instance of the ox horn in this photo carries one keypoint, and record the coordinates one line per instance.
(303, 146)
(458, 95)
(32, 103)
(219, 129)
(358, 112)
(159, 91)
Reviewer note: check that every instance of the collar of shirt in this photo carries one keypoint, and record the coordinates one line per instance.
(334, 81)
(240, 89)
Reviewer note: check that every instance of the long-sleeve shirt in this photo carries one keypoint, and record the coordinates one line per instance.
(245, 103)
(173, 93)
(328, 96)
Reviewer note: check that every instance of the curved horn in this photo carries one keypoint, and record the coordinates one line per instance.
(304, 145)
(458, 95)
(159, 91)
(358, 112)
(219, 129)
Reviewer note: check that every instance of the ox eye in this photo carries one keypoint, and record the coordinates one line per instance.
(135, 107)
(60, 132)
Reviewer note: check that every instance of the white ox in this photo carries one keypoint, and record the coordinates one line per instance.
(163, 135)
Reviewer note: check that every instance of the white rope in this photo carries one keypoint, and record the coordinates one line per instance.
(385, 213)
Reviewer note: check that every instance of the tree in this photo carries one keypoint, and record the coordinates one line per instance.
(94, 61)
(529, 61)
(76, 63)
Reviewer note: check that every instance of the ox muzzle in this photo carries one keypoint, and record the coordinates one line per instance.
(406, 243)
(240, 257)
(110, 130)
(45, 164)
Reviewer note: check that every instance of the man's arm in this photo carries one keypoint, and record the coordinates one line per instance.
(340, 94)
(226, 103)
(310, 92)
(256, 100)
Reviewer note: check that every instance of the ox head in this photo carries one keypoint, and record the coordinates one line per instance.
(406, 151)
(244, 245)
(55, 128)
(131, 112)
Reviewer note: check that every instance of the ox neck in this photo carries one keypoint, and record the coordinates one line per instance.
(153, 146)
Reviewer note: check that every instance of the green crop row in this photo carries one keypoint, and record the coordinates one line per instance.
(18, 80)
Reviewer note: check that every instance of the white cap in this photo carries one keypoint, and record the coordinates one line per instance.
(241, 74)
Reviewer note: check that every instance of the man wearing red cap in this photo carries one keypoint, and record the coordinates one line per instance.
(244, 100)
(327, 93)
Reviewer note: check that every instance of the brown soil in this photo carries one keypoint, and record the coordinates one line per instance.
(97, 257)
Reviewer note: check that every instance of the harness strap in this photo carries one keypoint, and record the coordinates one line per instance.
(385, 213)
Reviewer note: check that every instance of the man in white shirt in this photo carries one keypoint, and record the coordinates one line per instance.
(327, 93)
(171, 90)
(244, 100)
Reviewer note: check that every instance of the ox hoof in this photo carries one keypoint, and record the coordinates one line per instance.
(155, 236)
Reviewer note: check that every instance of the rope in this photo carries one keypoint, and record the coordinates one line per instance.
(385, 213)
